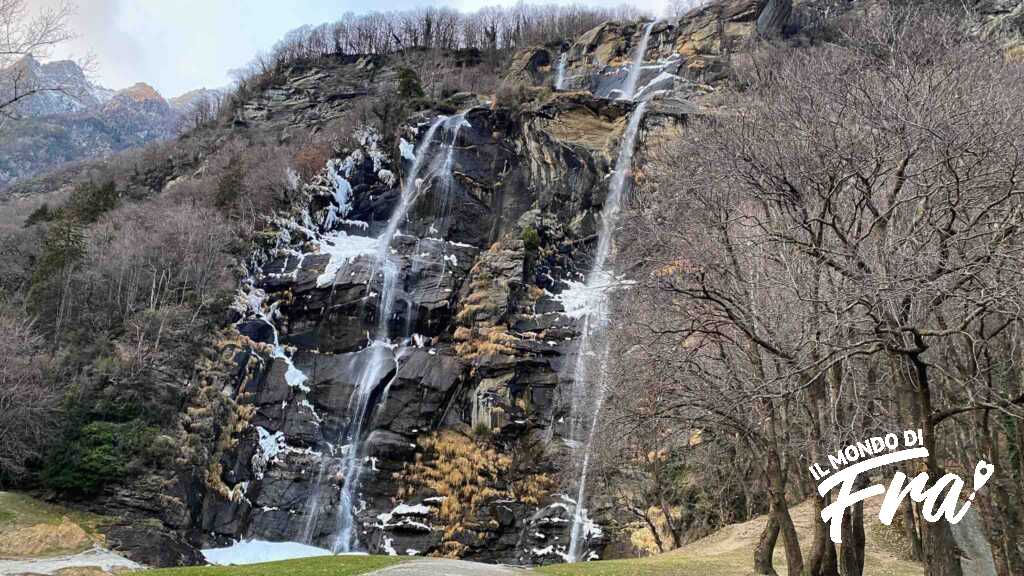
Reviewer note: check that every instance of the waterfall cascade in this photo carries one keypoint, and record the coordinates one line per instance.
(384, 357)
(560, 76)
(384, 347)
(590, 369)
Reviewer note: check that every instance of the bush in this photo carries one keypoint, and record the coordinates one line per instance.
(97, 454)
(29, 394)
(531, 239)
(89, 201)
(229, 185)
(409, 86)
(41, 214)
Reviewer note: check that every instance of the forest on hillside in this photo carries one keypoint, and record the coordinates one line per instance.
(831, 256)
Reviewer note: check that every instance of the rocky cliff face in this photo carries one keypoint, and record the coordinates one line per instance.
(460, 453)
(77, 93)
(480, 258)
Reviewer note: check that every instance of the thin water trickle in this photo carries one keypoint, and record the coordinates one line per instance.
(629, 88)
(439, 227)
(381, 361)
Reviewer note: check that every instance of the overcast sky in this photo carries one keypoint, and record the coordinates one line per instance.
(179, 45)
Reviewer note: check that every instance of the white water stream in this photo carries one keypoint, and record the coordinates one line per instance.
(629, 88)
(590, 370)
(560, 77)
(384, 346)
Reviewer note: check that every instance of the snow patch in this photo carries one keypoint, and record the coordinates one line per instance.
(407, 149)
(293, 376)
(270, 445)
(411, 510)
(96, 558)
(342, 249)
(256, 551)
(580, 299)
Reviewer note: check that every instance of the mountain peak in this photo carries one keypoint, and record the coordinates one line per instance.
(140, 92)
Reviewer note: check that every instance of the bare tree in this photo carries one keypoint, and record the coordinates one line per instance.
(29, 399)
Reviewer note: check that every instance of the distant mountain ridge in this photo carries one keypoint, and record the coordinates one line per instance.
(77, 93)
(72, 118)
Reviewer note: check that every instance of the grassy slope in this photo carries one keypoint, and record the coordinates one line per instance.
(30, 527)
(729, 552)
(319, 566)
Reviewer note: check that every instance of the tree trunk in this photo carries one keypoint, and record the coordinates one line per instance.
(823, 560)
(794, 557)
(852, 549)
(910, 529)
(777, 479)
(766, 546)
(940, 552)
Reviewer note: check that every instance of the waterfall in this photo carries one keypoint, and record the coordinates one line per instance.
(445, 179)
(381, 361)
(560, 77)
(629, 89)
(383, 356)
(590, 380)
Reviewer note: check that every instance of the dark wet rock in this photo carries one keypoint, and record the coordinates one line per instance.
(257, 331)
(546, 535)
(273, 388)
(416, 398)
(151, 544)
(390, 450)
(774, 16)
(224, 516)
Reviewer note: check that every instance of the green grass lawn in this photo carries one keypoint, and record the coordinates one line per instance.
(317, 566)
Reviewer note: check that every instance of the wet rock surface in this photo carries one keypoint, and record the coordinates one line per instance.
(482, 347)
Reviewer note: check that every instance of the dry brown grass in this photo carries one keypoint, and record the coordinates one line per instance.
(468, 472)
(43, 539)
(729, 552)
(32, 528)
